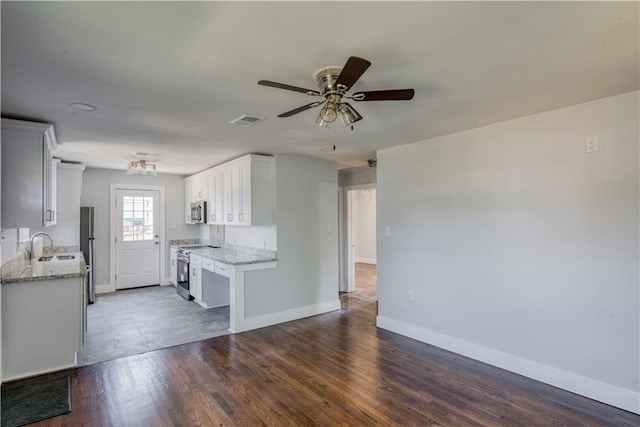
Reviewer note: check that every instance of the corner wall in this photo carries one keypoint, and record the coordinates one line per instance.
(305, 282)
(521, 249)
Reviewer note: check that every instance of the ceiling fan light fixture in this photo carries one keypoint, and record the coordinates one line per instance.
(348, 114)
(328, 114)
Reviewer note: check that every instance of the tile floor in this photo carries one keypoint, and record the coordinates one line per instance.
(135, 321)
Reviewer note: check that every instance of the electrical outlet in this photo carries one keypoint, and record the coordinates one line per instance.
(411, 297)
(387, 231)
(591, 144)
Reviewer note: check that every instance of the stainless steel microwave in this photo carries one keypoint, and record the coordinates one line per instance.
(199, 211)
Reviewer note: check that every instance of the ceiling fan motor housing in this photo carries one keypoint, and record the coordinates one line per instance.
(326, 79)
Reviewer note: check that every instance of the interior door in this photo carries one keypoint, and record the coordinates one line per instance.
(137, 239)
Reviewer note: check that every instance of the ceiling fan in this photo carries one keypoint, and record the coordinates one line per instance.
(334, 82)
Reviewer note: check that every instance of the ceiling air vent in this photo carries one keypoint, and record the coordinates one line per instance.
(246, 121)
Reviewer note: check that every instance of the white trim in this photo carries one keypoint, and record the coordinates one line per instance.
(344, 221)
(366, 260)
(75, 166)
(112, 226)
(105, 289)
(628, 400)
(342, 274)
(350, 260)
(165, 282)
(289, 315)
(371, 186)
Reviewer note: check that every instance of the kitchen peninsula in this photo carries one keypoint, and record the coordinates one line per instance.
(43, 313)
(216, 277)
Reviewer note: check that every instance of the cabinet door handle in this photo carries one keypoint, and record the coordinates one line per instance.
(240, 217)
(230, 217)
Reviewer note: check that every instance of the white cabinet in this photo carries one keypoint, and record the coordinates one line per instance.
(201, 183)
(195, 277)
(173, 266)
(28, 174)
(229, 194)
(240, 192)
(256, 190)
(244, 192)
(42, 327)
(214, 201)
(188, 194)
(195, 189)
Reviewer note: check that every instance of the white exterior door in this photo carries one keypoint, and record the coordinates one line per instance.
(137, 238)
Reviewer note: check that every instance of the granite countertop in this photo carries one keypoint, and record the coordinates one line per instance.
(231, 256)
(21, 270)
(228, 255)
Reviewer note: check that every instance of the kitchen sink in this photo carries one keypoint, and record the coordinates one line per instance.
(45, 258)
(65, 257)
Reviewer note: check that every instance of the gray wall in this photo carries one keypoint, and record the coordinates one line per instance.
(356, 176)
(307, 272)
(513, 238)
(96, 187)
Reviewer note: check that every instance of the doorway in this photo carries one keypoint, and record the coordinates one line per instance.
(359, 255)
(136, 236)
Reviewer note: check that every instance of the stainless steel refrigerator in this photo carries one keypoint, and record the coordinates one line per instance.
(87, 248)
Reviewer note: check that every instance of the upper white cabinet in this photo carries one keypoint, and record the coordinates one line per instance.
(214, 200)
(240, 192)
(189, 184)
(195, 189)
(253, 190)
(28, 174)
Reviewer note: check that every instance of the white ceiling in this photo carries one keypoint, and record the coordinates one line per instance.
(167, 77)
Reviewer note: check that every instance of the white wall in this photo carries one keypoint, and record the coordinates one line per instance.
(306, 212)
(262, 237)
(365, 225)
(96, 186)
(521, 249)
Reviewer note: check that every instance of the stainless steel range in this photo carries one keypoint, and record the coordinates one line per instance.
(183, 274)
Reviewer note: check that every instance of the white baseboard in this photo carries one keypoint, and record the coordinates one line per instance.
(619, 397)
(288, 315)
(367, 260)
(105, 289)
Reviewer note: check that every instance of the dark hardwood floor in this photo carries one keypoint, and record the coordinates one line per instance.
(332, 369)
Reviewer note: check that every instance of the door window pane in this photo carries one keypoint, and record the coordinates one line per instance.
(137, 218)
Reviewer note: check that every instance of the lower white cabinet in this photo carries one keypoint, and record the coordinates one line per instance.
(173, 266)
(42, 326)
(195, 277)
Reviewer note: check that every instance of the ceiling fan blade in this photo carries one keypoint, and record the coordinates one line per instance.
(289, 87)
(384, 95)
(351, 72)
(301, 109)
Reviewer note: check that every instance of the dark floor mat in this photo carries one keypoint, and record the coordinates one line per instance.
(34, 402)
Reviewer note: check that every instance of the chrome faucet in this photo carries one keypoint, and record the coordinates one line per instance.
(40, 233)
